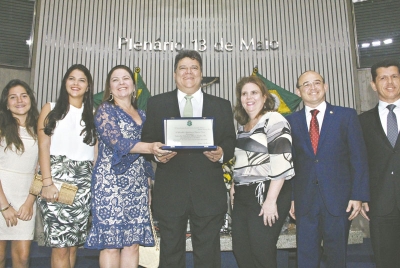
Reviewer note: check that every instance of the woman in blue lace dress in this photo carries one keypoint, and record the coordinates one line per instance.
(121, 176)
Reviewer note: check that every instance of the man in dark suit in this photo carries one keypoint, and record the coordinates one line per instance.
(380, 128)
(189, 183)
(331, 178)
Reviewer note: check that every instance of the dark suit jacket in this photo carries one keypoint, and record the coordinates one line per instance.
(340, 167)
(384, 165)
(190, 177)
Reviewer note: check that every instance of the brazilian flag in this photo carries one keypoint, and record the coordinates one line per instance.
(142, 93)
(97, 99)
(288, 101)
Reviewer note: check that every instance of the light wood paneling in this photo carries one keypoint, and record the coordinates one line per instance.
(311, 34)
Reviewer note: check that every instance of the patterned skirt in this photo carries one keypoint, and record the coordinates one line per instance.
(66, 225)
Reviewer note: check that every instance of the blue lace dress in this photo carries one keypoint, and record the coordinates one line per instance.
(120, 207)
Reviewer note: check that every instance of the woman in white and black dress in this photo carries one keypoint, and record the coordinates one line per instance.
(67, 137)
(261, 192)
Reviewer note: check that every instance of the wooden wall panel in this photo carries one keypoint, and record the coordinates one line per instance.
(312, 34)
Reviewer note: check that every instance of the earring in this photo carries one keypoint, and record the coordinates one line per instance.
(111, 98)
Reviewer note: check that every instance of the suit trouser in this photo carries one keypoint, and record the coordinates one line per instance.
(385, 238)
(205, 235)
(317, 226)
(254, 244)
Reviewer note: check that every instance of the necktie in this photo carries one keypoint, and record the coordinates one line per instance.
(188, 110)
(392, 129)
(314, 130)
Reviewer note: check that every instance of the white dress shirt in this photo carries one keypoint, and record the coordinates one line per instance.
(383, 113)
(197, 102)
(320, 116)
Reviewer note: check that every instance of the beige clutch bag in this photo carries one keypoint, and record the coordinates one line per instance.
(66, 194)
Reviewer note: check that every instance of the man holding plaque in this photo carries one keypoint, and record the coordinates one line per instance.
(189, 182)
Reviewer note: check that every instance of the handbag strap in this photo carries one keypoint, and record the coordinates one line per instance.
(154, 231)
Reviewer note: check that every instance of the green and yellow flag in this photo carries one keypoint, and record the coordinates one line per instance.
(288, 101)
(97, 99)
(142, 93)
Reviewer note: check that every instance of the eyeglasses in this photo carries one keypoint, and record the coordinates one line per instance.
(308, 85)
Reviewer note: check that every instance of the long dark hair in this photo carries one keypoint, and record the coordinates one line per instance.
(107, 91)
(240, 114)
(9, 126)
(62, 107)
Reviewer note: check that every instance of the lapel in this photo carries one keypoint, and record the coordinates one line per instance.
(325, 128)
(175, 104)
(207, 106)
(304, 130)
(326, 123)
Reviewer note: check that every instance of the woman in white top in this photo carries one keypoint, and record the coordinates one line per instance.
(66, 134)
(18, 160)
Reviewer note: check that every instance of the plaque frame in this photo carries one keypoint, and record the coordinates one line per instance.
(188, 122)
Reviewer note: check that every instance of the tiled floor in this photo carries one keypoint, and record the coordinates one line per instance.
(359, 256)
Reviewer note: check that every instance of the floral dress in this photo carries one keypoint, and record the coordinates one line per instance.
(120, 205)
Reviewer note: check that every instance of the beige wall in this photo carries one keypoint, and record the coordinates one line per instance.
(312, 35)
(7, 74)
(368, 97)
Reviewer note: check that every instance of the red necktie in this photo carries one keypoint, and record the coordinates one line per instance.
(314, 130)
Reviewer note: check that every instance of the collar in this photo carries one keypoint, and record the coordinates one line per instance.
(321, 108)
(196, 96)
(382, 105)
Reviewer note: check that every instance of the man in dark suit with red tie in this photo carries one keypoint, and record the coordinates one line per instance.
(380, 128)
(189, 183)
(331, 170)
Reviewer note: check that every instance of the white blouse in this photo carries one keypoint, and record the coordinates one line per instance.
(66, 139)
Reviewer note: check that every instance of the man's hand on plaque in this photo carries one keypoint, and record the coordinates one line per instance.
(215, 155)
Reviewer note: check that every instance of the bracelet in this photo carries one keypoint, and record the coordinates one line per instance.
(48, 185)
(47, 178)
(7, 207)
